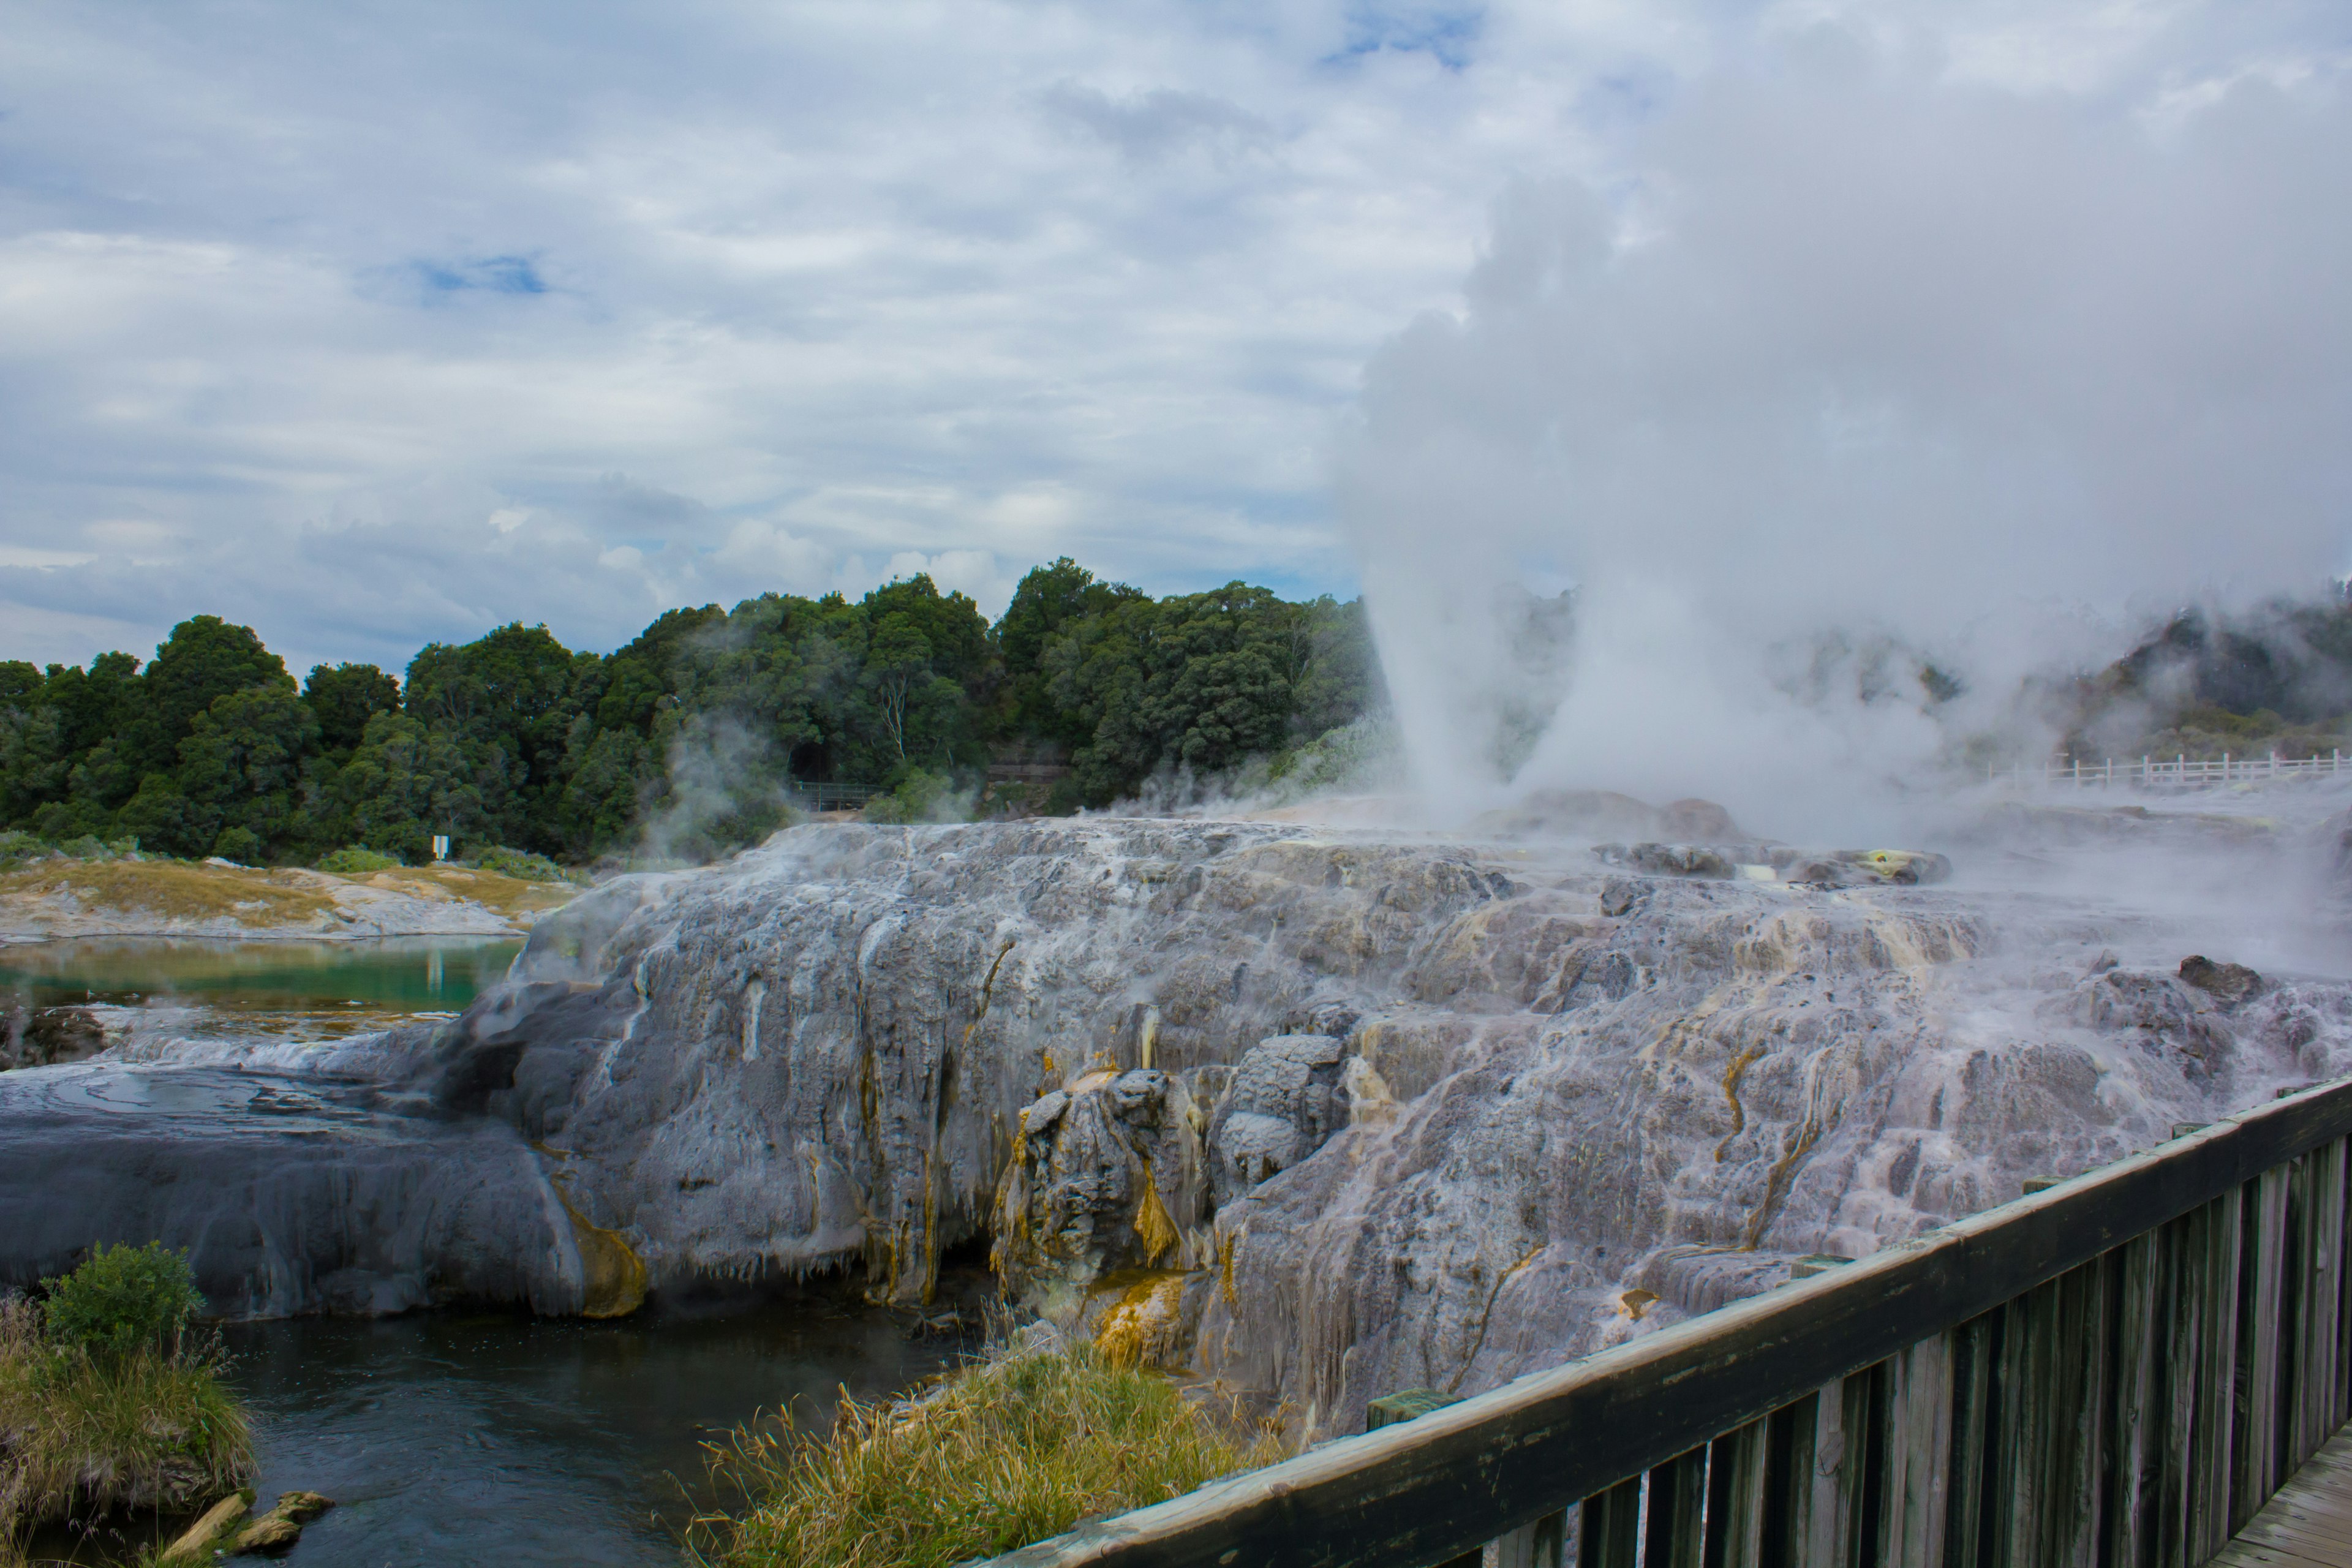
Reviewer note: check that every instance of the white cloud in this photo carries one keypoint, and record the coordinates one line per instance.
(314, 294)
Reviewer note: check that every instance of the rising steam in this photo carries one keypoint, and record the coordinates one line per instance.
(1850, 355)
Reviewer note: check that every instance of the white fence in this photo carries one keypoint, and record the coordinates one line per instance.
(2157, 772)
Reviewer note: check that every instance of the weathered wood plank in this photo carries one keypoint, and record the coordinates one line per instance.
(1848, 1411)
(2215, 1415)
(2180, 1299)
(1538, 1546)
(2323, 1283)
(2254, 1439)
(2077, 1410)
(1736, 1501)
(2135, 1420)
(1610, 1534)
(2341, 1407)
(1459, 1475)
(1975, 1351)
(2298, 1420)
(1918, 1453)
(2021, 1457)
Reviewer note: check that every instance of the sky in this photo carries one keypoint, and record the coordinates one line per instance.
(371, 324)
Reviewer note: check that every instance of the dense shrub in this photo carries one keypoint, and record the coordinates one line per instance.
(122, 1300)
(920, 796)
(357, 861)
(520, 864)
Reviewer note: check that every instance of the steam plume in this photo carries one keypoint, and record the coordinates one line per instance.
(1857, 349)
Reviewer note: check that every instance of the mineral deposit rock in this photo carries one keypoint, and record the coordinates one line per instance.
(1320, 1114)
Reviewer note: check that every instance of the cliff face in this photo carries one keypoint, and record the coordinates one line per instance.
(1323, 1115)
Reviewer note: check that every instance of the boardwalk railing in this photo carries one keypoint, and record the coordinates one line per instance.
(828, 796)
(2116, 1373)
(2158, 773)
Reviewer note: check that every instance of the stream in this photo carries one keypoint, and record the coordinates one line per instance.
(454, 1435)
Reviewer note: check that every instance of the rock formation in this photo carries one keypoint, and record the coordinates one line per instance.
(1322, 1114)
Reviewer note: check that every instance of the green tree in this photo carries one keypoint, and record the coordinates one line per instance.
(344, 697)
(203, 660)
(408, 782)
(241, 769)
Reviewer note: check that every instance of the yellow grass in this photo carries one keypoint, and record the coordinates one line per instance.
(1005, 1452)
(262, 899)
(174, 889)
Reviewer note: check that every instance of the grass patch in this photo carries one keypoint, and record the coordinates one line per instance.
(502, 895)
(173, 890)
(1000, 1453)
(83, 1434)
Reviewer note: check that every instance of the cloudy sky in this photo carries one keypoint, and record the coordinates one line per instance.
(368, 324)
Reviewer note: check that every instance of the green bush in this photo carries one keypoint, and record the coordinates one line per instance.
(357, 861)
(122, 1300)
(921, 796)
(520, 864)
(241, 844)
(17, 845)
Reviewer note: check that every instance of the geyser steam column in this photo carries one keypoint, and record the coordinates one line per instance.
(1856, 353)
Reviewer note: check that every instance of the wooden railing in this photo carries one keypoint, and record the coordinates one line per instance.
(2161, 774)
(2115, 1373)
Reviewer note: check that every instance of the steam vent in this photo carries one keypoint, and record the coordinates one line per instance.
(1317, 1113)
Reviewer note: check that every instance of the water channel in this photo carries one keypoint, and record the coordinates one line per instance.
(457, 1436)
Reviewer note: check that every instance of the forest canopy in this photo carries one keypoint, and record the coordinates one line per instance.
(709, 716)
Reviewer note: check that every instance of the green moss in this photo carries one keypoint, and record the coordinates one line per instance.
(1002, 1453)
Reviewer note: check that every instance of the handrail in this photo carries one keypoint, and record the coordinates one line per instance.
(2180, 772)
(1992, 1393)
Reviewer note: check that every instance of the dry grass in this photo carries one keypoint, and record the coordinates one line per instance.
(174, 890)
(1002, 1452)
(508, 896)
(191, 891)
(81, 1437)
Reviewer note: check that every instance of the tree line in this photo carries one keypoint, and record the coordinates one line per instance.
(704, 719)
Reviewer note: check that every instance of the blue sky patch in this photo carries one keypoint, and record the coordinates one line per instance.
(490, 274)
(1443, 32)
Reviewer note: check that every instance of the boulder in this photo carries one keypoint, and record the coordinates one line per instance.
(1285, 1102)
(2230, 983)
(49, 1035)
(1701, 822)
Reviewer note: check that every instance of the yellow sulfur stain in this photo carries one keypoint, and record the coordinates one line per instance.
(1143, 1309)
(1152, 1224)
(613, 1273)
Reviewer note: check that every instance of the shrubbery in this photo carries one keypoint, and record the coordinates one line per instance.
(122, 1300)
(520, 864)
(921, 796)
(108, 1402)
(358, 861)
